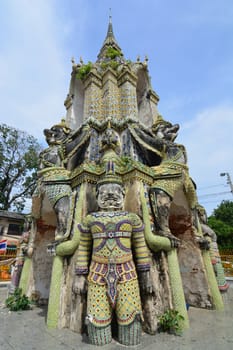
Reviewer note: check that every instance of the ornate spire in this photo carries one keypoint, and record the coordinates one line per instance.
(110, 40)
(110, 29)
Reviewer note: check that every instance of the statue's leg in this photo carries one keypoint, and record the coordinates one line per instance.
(160, 204)
(130, 334)
(99, 335)
(128, 312)
(59, 196)
(62, 209)
(99, 315)
(16, 277)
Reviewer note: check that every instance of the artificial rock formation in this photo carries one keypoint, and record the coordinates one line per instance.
(112, 120)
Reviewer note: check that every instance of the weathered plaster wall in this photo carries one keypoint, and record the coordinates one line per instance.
(189, 254)
(75, 103)
(39, 283)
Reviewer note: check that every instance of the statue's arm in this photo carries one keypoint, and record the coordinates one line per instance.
(142, 256)
(82, 263)
(84, 251)
(80, 284)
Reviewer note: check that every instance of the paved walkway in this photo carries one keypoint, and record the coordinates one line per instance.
(26, 330)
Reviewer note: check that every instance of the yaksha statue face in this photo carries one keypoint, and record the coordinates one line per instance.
(110, 196)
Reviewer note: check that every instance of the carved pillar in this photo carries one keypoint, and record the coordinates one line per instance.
(128, 99)
(110, 95)
(55, 290)
(154, 99)
(26, 273)
(93, 96)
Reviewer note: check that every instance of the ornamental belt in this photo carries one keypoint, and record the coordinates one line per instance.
(111, 234)
(112, 259)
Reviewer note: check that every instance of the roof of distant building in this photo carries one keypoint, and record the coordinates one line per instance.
(11, 215)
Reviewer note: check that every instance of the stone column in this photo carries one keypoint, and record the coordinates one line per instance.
(93, 96)
(111, 108)
(127, 82)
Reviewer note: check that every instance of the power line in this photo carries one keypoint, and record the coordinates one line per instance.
(214, 201)
(228, 180)
(203, 188)
(213, 194)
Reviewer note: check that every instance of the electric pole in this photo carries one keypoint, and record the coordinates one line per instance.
(228, 180)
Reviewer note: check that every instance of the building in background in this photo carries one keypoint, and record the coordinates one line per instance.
(11, 229)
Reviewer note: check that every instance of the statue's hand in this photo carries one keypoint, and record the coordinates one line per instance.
(145, 282)
(204, 244)
(175, 242)
(30, 252)
(79, 285)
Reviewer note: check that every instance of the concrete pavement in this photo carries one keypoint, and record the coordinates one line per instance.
(26, 330)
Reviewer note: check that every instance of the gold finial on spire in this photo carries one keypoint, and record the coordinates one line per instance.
(110, 40)
(110, 15)
(110, 29)
(109, 123)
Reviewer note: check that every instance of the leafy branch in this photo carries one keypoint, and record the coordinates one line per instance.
(171, 322)
(18, 301)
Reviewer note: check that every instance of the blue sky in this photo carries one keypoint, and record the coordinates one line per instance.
(190, 50)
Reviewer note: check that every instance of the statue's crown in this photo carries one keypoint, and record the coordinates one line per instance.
(160, 121)
(200, 208)
(110, 175)
(63, 125)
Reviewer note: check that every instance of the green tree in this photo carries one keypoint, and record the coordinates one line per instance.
(19, 153)
(224, 212)
(222, 223)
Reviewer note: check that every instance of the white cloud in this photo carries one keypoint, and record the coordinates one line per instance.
(209, 142)
(35, 64)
